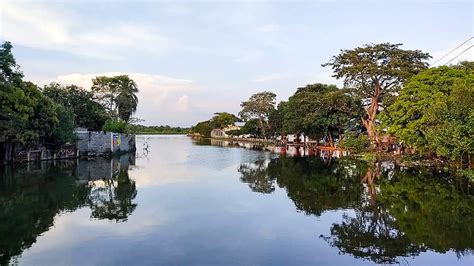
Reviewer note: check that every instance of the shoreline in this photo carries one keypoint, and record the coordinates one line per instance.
(369, 156)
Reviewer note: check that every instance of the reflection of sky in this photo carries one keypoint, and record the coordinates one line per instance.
(192, 209)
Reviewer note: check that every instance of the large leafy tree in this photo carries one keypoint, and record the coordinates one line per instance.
(223, 119)
(14, 104)
(26, 115)
(375, 73)
(259, 106)
(117, 94)
(87, 112)
(435, 112)
(321, 111)
(42, 118)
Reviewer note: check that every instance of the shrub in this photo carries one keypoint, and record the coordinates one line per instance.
(114, 125)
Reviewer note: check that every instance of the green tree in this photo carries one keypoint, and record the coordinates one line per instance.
(321, 111)
(435, 112)
(42, 118)
(252, 127)
(203, 128)
(259, 106)
(276, 119)
(15, 106)
(117, 94)
(64, 131)
(375, 73)
(221, 120)
(87, 112)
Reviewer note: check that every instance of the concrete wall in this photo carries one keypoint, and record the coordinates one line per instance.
(101, 143)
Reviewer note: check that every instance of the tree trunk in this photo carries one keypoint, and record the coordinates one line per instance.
(262, 126)
(369, 122)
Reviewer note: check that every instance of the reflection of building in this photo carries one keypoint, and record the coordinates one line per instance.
(102, 168)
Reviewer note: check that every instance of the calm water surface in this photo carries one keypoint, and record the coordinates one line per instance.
(185, 203)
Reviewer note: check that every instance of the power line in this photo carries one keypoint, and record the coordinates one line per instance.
(459, 54)
(452, 50)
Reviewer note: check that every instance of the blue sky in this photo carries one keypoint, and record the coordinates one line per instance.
(193, 58)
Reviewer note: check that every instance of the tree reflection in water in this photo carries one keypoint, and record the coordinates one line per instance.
(255, 175)
(388, 213)
(112, 198)
(31, 196)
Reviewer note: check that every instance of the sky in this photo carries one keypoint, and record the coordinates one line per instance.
(191, 59)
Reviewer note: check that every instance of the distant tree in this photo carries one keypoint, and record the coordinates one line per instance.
(87, 112)
(117, 94)
(321, 111)
(203, 128)
(259, 106)
(375, 73)
(221, 120)
(435, 112)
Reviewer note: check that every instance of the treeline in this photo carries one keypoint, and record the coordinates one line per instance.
(30, 115)
(390, 97)
(141, 129)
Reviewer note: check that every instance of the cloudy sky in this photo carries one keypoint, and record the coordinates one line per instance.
(193, 58)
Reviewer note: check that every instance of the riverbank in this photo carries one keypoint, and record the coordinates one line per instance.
(310, 149)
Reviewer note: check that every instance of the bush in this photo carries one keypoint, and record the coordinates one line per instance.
(114, 125)
(355, 142)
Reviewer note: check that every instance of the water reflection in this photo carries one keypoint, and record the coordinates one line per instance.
(387, 213)
(31, 196)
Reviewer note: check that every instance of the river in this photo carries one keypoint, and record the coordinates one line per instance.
(182, 202)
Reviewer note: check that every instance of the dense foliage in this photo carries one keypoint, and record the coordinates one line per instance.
(435, 112)
(321, 112)
(87, 112)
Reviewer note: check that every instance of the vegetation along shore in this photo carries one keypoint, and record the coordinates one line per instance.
(392, 105)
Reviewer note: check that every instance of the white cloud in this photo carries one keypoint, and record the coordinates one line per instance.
(42, 27)
(183, 103)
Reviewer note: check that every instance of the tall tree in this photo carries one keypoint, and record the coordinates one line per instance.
(26, 115)
(375, 73)
(259, 106)
(117, 94)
